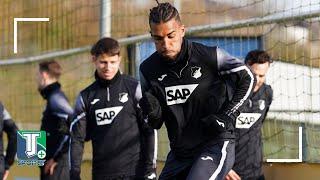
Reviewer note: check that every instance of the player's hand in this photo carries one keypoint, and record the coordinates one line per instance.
(151, 108)
(217, 123)
(49, 166)
(5, 175)
(232, 175)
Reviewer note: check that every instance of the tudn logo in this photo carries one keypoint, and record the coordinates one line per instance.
(207, 158)
(123, 97)
(31, 147)
(162, 77)
(107, 115)
(179, 94)
(196, 72)
(31, 143)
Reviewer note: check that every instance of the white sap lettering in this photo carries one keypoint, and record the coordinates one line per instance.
(107, 115)
(179, 94)
(246, 120)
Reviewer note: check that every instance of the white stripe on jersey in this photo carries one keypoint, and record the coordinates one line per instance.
(155, 152)
(223, 158)
(73, 122)
(250, 86)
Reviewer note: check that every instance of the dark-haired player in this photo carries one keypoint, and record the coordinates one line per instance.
(55, 120)
(107, 113)
(248, 160)
(196, 91)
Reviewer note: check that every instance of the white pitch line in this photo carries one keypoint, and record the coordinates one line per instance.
(15, 29)
(291, 160)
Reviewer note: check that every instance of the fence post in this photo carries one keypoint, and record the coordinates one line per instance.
(105, 18)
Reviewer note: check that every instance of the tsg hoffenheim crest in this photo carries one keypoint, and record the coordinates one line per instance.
(196, 72)
(123, 97)
(262, 104)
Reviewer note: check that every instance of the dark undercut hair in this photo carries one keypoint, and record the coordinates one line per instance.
(257, 56)
(164, 12)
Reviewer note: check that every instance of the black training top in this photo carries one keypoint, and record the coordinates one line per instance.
(107, 113)
(201, 81)
(7, 125)
(55, 120)
(248, 161)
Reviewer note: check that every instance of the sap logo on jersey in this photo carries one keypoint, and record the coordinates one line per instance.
(246, 120)
(179, 94)
(107, 115)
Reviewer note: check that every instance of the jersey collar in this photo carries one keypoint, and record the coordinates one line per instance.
(106, 83)
(45, 92)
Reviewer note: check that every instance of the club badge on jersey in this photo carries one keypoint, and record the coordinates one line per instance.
(123, 97)
(196, 72)
(262, 104)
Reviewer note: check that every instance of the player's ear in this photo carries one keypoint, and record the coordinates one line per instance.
(45, 74)
(183, 30)
(93, 58)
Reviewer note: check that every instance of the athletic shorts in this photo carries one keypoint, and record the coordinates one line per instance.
(213, 162)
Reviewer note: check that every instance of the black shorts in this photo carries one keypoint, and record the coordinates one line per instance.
(214, 162)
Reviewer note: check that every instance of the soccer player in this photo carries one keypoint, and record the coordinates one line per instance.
(7, 125)
(55, 120)
(107, 113)
(196, 91)
(248, 161)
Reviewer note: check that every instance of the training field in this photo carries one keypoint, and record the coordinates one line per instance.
(289, 30)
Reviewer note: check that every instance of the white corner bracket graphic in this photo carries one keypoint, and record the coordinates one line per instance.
(291, 160)
(15, 29)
